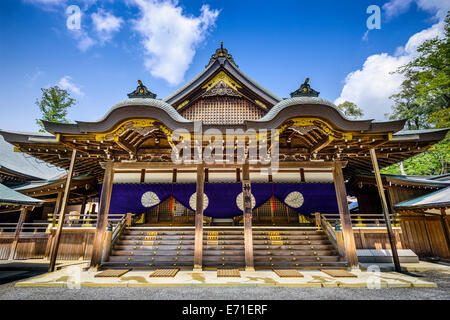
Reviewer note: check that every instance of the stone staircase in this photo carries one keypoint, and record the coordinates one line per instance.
(223, 247)
(142, 247)
(304, 247)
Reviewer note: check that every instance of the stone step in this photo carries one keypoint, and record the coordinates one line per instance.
(149, 259)
(296, 237)
(292, 247)
(301, 265)
(157, 233)
(281, 258)
(154, 247)
(158, 237)
(155, 242)
(150, 253)
(148, 265)
(293, 242)
(237, 253)
(293, 253)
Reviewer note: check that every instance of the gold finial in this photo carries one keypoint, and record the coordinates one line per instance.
(140, 82)
(221, 45)
(306, 80)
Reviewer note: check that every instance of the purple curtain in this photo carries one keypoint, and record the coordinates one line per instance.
(317, 197)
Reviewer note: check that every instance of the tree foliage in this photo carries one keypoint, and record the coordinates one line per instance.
(424, 100)
(351, 110)
(54, 105)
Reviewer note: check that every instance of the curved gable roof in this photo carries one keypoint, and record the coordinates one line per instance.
(321, 108)
(126, 109)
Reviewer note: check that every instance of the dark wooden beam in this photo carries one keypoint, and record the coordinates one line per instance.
(142, 176)
(198, 243)
(320, 145)
(385, 208)
(174, 175)
(344, 213)
(102, 218)
(126, 146)
(302, 175)
(282, 164)
(56, 240)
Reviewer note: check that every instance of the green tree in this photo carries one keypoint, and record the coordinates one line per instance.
(53, 105)
(351, 110)
(424, 100)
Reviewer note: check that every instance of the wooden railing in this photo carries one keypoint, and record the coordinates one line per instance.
(334, 235)
(361, 220)
(120, 225)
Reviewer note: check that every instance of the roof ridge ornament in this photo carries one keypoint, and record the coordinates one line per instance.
(221, 55)
(142, 92)
(305, 90)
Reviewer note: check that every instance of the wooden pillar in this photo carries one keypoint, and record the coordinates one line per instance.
(102, 216)
(347, 230)
(198, 246)
(142, 176)
(22, 217)
(51, 235)
(65, 200)
(83, 209)
(247, 206)
(385, 208)
(58, 204)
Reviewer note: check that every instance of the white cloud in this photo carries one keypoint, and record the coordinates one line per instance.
(31, 78)
(46, 2)
(170, 38)
(396, 7)
(371, 86)
(105, 24)
(67, 84)
(366, 35)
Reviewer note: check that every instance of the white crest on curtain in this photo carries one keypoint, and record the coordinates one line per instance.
(193, 201)
(150, 199)
(294, 199)
(240, 201)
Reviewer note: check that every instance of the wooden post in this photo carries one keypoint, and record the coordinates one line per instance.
(318, 221)
(347, 230)
(107, 244)
(102, 216)
(247, 206)
(385, 208)
(83, 209)
(22, 217)
(129, 219)
(340, 242)
(198, 246)
(65, 200)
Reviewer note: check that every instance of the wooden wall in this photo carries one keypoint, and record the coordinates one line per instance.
(74, 245)
(377, 238)
(425, 235)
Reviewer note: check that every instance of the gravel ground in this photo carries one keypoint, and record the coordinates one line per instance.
(442, 292)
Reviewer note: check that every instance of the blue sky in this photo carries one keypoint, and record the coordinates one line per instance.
(165, 43)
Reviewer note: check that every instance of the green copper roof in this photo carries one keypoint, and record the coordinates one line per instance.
(27, 165)
(439, 198)
(9, 196)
